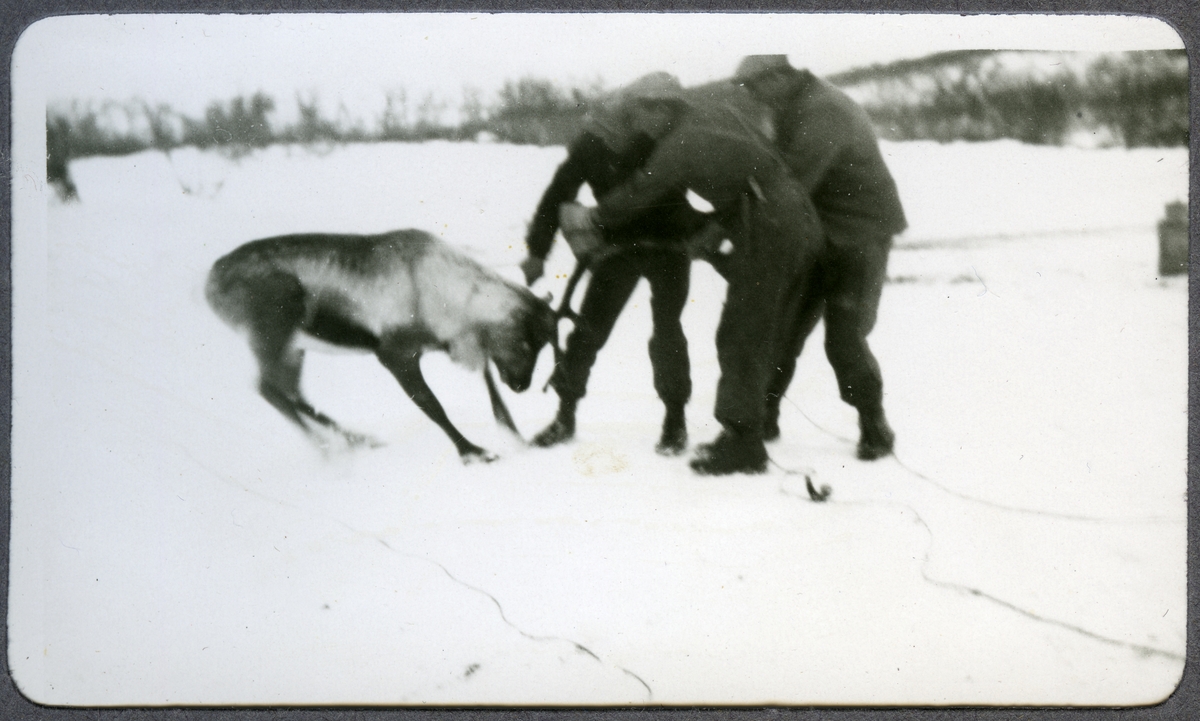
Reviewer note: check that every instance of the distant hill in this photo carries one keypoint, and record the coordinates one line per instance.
(1133, 98)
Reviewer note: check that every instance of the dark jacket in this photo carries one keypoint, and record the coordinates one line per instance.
(590, 160)
(831, 148)
(716, 150)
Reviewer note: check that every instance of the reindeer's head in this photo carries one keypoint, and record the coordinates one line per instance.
(515, 347)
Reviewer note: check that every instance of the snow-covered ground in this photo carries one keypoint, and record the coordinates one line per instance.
(175, 541)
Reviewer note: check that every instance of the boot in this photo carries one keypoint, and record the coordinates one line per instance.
(731, 452)
(562, 428)
(674, 432)
(877, 438)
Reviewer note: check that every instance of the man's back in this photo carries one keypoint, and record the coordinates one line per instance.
(830, 145)
(716, 148)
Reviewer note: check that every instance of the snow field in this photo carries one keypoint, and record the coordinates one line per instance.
(175, 541)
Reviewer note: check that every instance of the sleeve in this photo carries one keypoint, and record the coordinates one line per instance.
(563, 188)
(665, 172)
(686, 220)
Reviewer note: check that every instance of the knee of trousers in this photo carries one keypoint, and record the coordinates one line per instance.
(845, 337)
(569, 385)
(668, 340)
(672, 368)
(861, 385)
(850, 353)
(583, 344)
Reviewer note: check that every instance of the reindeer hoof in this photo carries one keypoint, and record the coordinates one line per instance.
(477, 455)
(331, 438)
(357, 440)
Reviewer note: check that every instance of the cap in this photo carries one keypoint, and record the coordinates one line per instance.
(605, 117)
(753, 66)
(655, 86)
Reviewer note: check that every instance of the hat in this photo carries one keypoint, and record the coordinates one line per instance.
(605, 118)
(655, 86)
(753, 66)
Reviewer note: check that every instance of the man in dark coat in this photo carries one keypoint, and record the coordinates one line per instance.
(604, 154)
(709, 144)
(830, 146)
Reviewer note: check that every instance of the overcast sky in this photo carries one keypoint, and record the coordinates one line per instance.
(188, 61)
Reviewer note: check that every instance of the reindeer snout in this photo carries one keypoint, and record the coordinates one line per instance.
(520, 385)
(516, 381)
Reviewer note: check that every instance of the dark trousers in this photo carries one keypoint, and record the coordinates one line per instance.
(771, 263)
(613, 281)
(845, 289)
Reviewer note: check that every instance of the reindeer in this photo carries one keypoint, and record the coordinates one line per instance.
(396, 295)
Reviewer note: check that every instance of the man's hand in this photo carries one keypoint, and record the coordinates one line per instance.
(533, 268)
(711, 243)
(706, 243)
(579, 228)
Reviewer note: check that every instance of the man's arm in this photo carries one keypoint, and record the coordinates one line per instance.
(563, 188)
(664, 172)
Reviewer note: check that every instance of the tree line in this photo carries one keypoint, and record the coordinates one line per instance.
(529, 110)
(1135, 98)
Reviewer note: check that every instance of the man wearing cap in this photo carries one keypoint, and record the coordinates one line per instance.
(605, 153)
(710, 145)
(830, 146)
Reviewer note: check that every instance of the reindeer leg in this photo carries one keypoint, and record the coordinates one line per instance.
(278, 308)
(499, 409)
(403, 359)
(275, 308)
(278, 383)
(280, 386)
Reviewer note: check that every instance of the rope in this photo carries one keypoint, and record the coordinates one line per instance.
(982, 501)
(817, 496)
